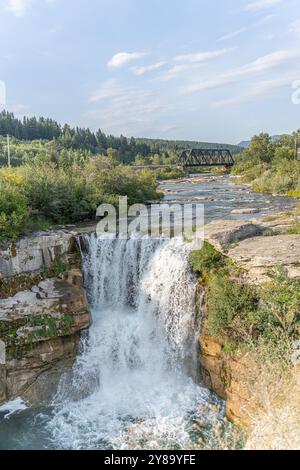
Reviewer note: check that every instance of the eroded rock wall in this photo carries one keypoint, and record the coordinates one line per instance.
(40, 327)
(238, 379)
(34, 253)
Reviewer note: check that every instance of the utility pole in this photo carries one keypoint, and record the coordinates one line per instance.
(8, 152)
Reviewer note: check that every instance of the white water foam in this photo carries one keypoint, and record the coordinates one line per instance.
(130, 387)
(12, 407)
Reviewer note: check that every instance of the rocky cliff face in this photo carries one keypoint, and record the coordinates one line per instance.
(34, 253)
(39, 327)
(227, 376)
(256, 252)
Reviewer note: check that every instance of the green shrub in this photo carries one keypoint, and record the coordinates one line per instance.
(207, 260)
(56, 194)
(270, 167)
(232, 309)
(280, 308)
(14, 213)
(73, 194)
(169, 173)
(242, 315)
(295, 193)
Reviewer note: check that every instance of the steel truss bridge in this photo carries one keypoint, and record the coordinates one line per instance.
(206, 157)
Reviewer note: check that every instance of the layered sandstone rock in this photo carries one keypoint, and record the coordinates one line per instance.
(39, 328)
(34, 253)
(238, 379)
(229, 378)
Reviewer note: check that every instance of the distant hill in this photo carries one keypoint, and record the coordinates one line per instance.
(244, 144)
(161, 144)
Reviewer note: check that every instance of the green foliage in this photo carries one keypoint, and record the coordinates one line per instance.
(32, 135)
(168, 173)
(241, 315)
(68, 190)
(262, 148)
(295, 193)
(270, 166)
(280, 307)
(60, 196)
(232, 309)
(207, 260)
(13, 212)
(294, 229)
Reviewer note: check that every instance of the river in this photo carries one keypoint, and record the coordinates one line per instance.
(132, 387)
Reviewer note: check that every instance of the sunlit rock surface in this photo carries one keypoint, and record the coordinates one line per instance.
(33, 253)
(260, 254)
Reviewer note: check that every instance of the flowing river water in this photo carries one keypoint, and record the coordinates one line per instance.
(134, 384)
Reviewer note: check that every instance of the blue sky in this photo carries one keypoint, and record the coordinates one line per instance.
(218, 70)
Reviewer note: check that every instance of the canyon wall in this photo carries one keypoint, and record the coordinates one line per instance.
(41, 321)
(255, 248)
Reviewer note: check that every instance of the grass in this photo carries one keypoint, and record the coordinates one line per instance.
(208, 260)
(295, 193)
(294, 230)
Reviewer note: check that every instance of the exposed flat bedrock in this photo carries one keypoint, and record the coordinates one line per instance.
(254, 247)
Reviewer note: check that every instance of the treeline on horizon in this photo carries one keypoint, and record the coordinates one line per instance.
(127, 149)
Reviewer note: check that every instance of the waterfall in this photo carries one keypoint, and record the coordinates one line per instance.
(130, 387)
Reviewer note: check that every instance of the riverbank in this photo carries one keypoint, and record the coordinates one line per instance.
(250, 331)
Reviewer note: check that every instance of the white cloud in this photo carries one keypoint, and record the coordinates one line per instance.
(126, 109)
(189, 62)
(270, 61)
(232, 35)
(178, 70)
(263, 88)
(18, 7)
(147, 68)
(108, 89)
(260, 65)
(259, 5)
(199, 56)
(295, 27)
(123, 58)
